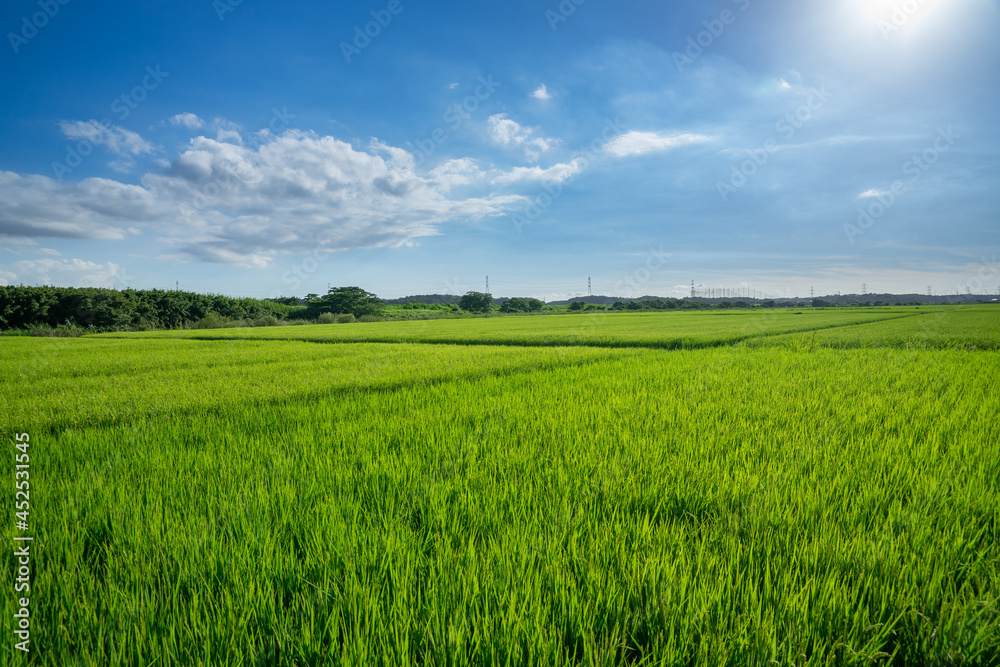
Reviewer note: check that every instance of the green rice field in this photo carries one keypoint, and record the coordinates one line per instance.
(812, 487)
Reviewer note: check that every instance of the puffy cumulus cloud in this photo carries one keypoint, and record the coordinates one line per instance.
(506, 132)
(233, 204)
(62, 272)
(638, 143)
(117, 140)
(188, 120)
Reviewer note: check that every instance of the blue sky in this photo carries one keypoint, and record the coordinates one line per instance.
(263, 149)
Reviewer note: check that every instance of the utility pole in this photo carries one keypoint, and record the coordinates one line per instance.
(487, 284)
(590, 292)
(692, 289)
(812, 293)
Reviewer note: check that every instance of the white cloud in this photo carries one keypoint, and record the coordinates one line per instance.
(541, 93)
(188, 120)
(17, 245)
(234, 204)
(122, 166)
(554, 174)
(40, 207)
(227, 131)
(638, 143)
(117, 140)
(506, 132)
(463, 171)
(784, 85)
(229, 136)
(61, 272)
(873, 192)
(452, 86)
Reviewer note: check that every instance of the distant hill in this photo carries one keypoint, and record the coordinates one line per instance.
(835, 299)
(424, 298)
(604, 300)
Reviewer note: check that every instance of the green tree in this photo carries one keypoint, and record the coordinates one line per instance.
(520, 305)
(349, 300)
(476, 302)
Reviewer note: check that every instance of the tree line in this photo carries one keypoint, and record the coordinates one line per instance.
(107, 309)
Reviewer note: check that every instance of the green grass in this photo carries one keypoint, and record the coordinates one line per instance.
(659, 330)
(961, 328)
(265, 501)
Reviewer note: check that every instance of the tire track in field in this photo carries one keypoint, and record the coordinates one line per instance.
(668, 344)
(217, 409)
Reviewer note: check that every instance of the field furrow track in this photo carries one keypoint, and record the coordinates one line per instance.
(806, 489)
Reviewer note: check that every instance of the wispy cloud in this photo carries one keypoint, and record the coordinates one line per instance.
(117, 140)
(638, 143)
(556, 173)
(188, 120)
